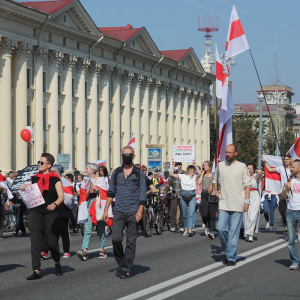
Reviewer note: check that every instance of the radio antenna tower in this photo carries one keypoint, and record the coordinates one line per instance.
(208, 25)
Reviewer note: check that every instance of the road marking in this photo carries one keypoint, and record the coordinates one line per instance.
(186, 276)
(95, 250)
(205, 278)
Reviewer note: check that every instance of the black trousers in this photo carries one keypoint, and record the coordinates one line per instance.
(208, 211)
(19, 212)
(2, 206)
(175, 202)
(40, 225)
(120, 220)
(282, 209)
(65, 236)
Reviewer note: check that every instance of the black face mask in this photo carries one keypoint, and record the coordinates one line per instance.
(127, 159)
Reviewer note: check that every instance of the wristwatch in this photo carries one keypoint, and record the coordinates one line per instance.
(55, 204)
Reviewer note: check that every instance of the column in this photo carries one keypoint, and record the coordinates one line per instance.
(162, 131)
(154, 106)
(105, 115)
(171, 91)
(116, 119)
(192, 121)
(40, 59)
(93, 112)
(185, 121)
(178, 108)
(82, 67)
(205, 128)
(198, 133)
(20, 105)
(126, 116)
(69, 62)
(146, 120)
(5, 104)
(55, 58)
(136, 116)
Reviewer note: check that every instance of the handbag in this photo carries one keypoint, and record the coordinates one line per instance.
(213, 199)
(188, 197)
(99, 209)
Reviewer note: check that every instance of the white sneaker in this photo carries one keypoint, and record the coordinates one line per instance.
(203, 225)
(250, 238)
(185, 233)
(271, 228)
(267, 226)
(294, 266)
(181, 229)
(206, 231)
(211, 235)
(173, 229)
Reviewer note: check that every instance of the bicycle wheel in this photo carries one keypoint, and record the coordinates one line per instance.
(159, 220)
(146, 223)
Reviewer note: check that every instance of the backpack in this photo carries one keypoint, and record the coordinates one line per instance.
(118, 170)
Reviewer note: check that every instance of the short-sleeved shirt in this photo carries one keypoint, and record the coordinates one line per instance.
(188, 183)
(294, 199)
(205, 182)
(49, 196)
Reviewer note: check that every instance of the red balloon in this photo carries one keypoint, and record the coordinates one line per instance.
(26, 135)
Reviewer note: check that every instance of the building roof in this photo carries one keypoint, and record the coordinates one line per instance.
(253, 107)
(121, 33)
(48, 7)
(177, 55)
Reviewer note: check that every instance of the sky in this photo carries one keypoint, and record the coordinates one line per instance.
(173, 24)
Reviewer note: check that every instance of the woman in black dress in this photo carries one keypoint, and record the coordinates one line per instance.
(44, 220)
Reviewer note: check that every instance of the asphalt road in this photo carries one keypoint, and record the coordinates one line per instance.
(169, 266)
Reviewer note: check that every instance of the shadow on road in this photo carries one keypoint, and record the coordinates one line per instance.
(5, 268)
(284, 262)
(51, 271)
(137, 269)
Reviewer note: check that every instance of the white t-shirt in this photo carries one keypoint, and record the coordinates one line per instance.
(188, 183)
(283, 178)
(294, 200)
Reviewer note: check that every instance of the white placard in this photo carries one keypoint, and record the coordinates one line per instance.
(32, 196)
(184, 153)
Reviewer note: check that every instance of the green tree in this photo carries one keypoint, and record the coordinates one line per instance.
(213, 137)
(287, 139)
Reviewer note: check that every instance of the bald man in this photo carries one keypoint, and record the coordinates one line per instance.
(233, 190)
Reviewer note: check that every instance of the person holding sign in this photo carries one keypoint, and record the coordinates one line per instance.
(188, 196)
(43, 220)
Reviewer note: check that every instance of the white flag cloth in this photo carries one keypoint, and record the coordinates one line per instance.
(273, 184)
(3, 183)
(101, 162)
(295, 149)
(225, 89)
(68, 188)
(131, 143)
(219, 75)
(236, 42)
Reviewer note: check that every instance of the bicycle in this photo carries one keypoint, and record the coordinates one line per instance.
(153, 215)
(166, 199)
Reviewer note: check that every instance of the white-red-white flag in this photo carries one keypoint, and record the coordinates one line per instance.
(219, 75)
(225, 81)
(273, 184)
(3, 184)
(131, 143)
(82, 205)
(295, 149)
(236, 42)
(102, 162)
(68, 188)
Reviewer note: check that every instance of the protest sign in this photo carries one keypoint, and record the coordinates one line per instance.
(184, 153)
(32, 196)
(24, 176)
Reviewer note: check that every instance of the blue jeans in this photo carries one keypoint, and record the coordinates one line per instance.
(269, 208)
(192, 209)
(229, 240)
(292, 218)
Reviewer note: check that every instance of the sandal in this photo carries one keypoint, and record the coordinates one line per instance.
(102, 254)
(82, 255)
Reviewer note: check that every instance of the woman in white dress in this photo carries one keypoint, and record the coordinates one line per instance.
(251, 217)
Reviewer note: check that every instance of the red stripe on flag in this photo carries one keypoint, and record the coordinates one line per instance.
(68, 190)
(219, 71)
(272, 176)
(131, 141)
(226, 46)
(297, 147)
(82, 196)
(236, 30)
(221, 139)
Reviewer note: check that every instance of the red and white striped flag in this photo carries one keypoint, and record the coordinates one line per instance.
(3, 183)
(82, 205)
(236, 42)
(132, 142)
(68, 188)
(102, 185)
(295, 149)
(102, 162)
(273, 183)
(219, 75)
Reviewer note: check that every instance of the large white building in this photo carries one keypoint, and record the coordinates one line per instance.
(85, 90)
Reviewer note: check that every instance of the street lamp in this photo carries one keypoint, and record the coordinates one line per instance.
(276, 96)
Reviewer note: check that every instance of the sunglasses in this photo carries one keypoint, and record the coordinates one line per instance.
(42, 163)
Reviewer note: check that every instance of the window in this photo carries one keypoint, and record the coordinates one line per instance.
(85, 90)
(190, 80)
(50, 37)
(73, 87)
(73, 124)
(176, 76)
(160, 71)
(98, 91)
(133, 43)
(59, 84)
(102, 53)
(169, 74)
(124, 59)
(143, 65)
(44, 118)
(28, 79)
(65, 19)
(109, 95)
(59, 121)
(182, 63)
(183, 78)
(44, 82)
(114, 56)
(133, 63)
(78, 46)
(34, 32)
(64, 41)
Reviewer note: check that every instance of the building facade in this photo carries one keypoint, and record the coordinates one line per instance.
(86, 89)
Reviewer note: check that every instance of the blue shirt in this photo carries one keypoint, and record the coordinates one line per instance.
(129, 193)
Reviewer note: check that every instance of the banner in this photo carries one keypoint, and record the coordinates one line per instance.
(184, 153)
(32, 196)
(24, 177)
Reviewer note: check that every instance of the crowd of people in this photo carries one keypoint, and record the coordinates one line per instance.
(232, 199)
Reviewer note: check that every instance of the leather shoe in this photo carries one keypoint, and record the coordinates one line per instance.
(119, 272)
(58, 270)
(35, 275)
(225, 260)
(231, 263)
(125, 275)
